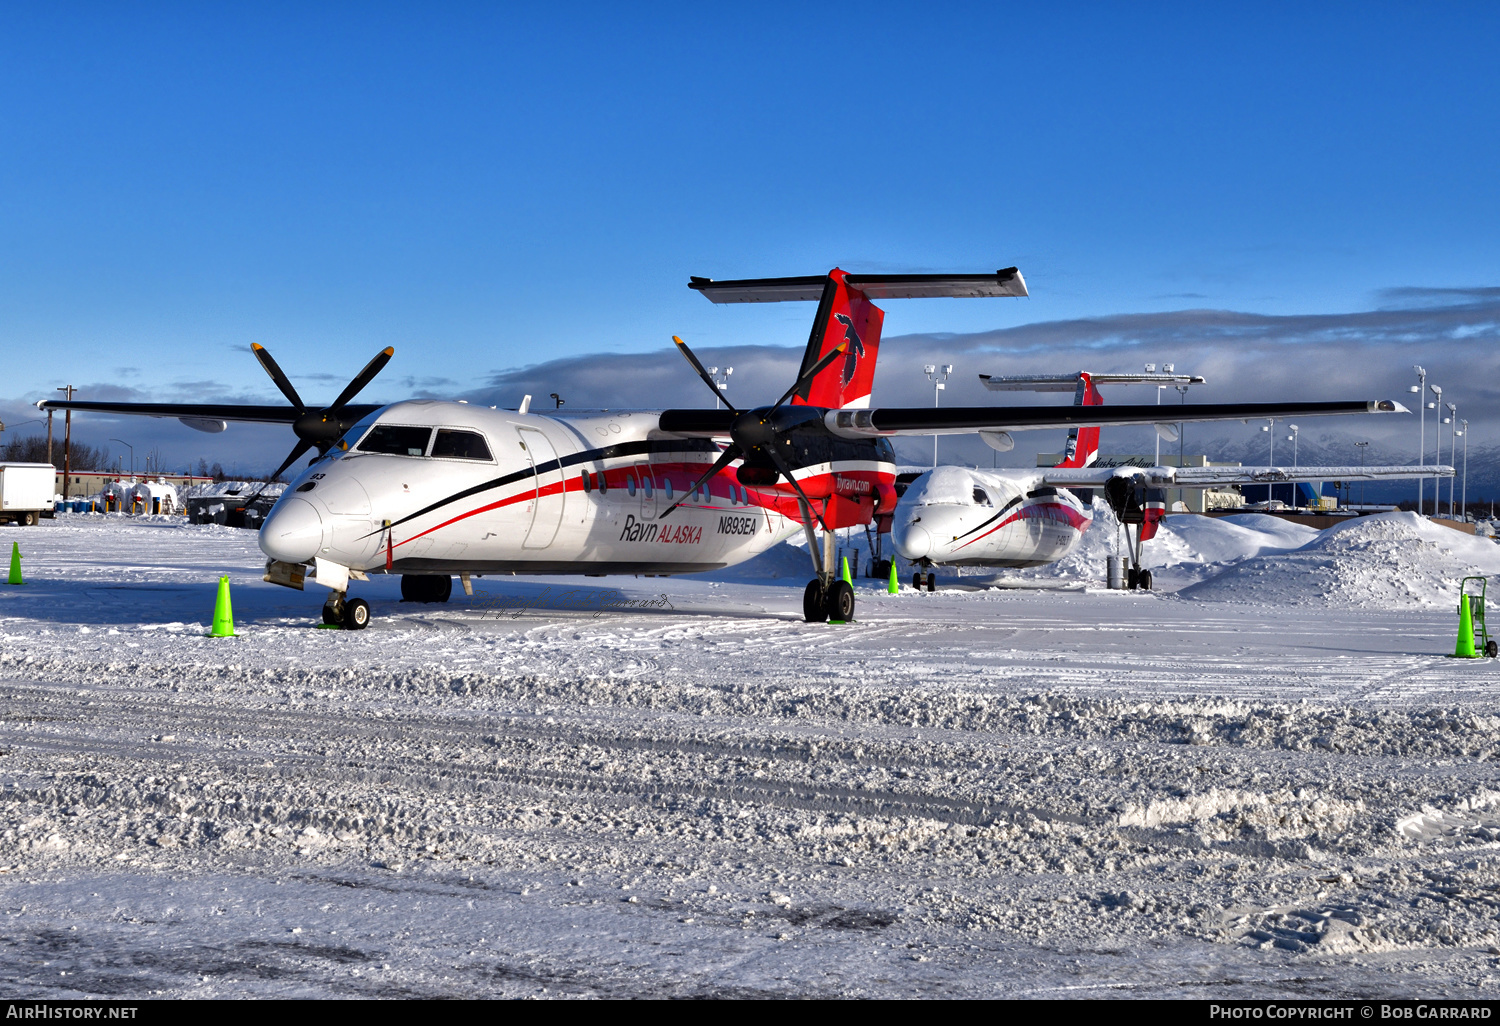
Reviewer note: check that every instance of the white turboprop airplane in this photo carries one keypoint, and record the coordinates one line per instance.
(430, 489)
(1022, 518)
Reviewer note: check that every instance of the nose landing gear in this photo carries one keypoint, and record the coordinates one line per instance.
(341, 611)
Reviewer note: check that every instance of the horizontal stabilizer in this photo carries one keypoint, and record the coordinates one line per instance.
(1067, 382)
(1007, 282)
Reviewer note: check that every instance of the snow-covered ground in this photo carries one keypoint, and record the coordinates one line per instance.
(1270, 782)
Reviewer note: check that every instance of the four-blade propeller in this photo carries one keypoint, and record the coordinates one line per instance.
(321, 427)
(753, 433)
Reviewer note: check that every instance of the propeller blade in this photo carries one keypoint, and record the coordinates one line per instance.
(271, 368)
(786, 472)
(363, 378)
(297, 451)
(814, 370)
(730, 455)
(707, 378)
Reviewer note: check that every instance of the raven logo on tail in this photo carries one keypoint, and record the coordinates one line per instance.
(855, 351)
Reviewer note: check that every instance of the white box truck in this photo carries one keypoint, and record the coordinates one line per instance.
(26, 492)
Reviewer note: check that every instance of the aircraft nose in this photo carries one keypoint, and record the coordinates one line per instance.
(293, 533)
(911, 540)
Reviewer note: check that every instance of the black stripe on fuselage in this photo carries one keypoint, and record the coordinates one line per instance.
(608, 452)
(1003, 510)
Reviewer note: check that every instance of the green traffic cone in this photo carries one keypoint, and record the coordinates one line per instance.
(15, 563)
(1465, 647)
(894, 585)
(223, 615)
(844, 574)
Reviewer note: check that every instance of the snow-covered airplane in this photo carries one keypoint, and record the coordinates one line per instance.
(1022, 518)
(429, 489)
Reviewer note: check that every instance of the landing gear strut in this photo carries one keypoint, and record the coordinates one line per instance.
(827, 597)
(1130, 499)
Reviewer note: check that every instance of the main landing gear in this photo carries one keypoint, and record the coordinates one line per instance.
(341, 611)
(827, 597)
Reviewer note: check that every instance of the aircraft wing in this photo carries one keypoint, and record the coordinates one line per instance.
(201, 416)
(966, 420)
(1217, 477)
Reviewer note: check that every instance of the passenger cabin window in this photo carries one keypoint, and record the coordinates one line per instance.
(646, 486)
(630, 485)
(396, 440)
(460, 445)
(980, 497)
(667, 487)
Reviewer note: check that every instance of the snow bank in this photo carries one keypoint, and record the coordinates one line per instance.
(1387, 561)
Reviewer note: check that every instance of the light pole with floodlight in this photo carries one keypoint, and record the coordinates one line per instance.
(937, 376)
(1361, 446)
(1421, 389)
(722, 386)
(1452, 448)
(132, 453)
(1436, 407)
(1463, 508)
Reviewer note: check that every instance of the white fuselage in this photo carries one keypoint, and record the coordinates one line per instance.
(965, 517)
(574, 494)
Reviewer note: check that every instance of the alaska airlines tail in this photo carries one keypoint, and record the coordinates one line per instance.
(847, 313)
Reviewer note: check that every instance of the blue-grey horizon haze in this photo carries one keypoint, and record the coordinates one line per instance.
(492, 189)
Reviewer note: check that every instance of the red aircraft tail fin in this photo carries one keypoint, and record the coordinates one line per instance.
(1083, 443)
(845, 314)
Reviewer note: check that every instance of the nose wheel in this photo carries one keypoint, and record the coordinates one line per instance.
(350, 614)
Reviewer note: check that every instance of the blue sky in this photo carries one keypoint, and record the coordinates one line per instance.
(489, 187)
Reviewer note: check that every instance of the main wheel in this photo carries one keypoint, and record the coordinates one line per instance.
(356, 615)
(1132, 579)
(839, 602)
(331, 617)
(1145, 580)
(881, 570)
(813, 610)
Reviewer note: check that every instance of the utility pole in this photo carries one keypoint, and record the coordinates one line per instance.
(67, 440)
(49, 436)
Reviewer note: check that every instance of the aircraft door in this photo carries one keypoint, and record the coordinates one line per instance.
(547, 503)
(648, 493)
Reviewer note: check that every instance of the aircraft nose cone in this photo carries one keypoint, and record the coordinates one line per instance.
(912, 541)
(293, 533)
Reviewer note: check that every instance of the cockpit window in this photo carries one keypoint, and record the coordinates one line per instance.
(396, 440)
(981, 497)
(460, 445)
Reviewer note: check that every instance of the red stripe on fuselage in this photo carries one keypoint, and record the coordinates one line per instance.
(773, 498)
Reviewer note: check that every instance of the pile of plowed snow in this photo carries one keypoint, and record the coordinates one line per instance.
(1388, 561)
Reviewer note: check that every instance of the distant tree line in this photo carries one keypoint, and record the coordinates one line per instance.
(34, 450)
